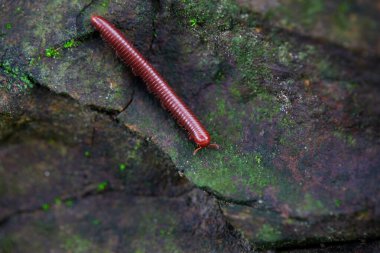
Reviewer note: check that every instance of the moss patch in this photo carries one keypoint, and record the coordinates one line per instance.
(71, 43)
(76, 243)
(19, 81)
(267, 233)
(160, 228)
(312, 205)
(7, 244)
(233, 176)
(8, 26)
(52, 52)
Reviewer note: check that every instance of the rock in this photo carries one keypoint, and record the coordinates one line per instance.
(297, 120)
(69, 174)
(352, 24)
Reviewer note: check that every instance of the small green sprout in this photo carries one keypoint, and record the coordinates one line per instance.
(87, 153)
(102, 186)
(105, 4)
(193, 22)
(8, 26)
(69, 44)
(45, 207)
(51, 52)
(69, 203)
(57, 201)
(96, 222)
(122, 166)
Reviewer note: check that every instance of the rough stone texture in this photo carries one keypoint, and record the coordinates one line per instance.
(74, 180)
(350, 23)
(297, 120)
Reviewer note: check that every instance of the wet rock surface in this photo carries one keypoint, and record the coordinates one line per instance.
(86, 150)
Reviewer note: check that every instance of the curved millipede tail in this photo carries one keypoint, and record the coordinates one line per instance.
(155, 83)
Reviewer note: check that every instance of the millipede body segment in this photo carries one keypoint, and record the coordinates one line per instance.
(155, 83)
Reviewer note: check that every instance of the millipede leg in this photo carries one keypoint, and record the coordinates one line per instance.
(214, 146)
(196, 150)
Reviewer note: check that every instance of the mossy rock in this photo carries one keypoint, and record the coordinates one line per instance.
(297, 120)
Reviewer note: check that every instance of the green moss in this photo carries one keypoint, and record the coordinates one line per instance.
(8, 26)
(96, 222)
(102, 186)
(232, 176)
(303, 12)
(7, 244)
(204, 13)
(69, 203)
(342, 14)
(105, 3)
(219, 76)
(33, 61)
(284, 54)
(306, 52)
(250, 53)
(326, 69)
(338, 202)
(57, 201)
(310, 204)
(77, 244)
(43, 227)
(346, 137)
(350, 86)
(122, 167)
(21, 80)
(132, 155)
(267, 233)
(52, 52)
(236, 170)
(70, 43)
(160, 227)
(253, 57)
(193, 22)
(45, 207)
(287, 123)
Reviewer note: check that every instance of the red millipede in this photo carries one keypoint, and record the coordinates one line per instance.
(155, 83)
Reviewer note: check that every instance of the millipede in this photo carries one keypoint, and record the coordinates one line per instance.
(155, 83)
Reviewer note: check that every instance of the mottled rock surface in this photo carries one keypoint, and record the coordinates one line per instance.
(89, 161)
